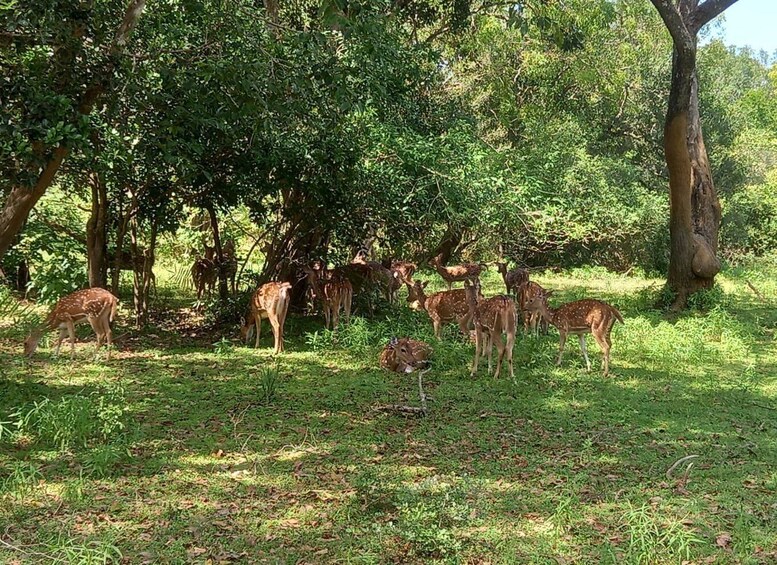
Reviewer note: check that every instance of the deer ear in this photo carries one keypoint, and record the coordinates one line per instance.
(393, 342)
(548, 293)
(423, 284)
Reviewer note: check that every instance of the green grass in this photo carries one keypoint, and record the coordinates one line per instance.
(185, 449)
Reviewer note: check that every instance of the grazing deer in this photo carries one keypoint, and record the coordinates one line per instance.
(405, 355)
(466, 272)
(204, 272)
(513, 279)
(270, 301)
(386, 279)
(130, 262)
(94, 305)
(492, 317)
(333, 291)
(532, 320)
(580, 317)
(443, 307)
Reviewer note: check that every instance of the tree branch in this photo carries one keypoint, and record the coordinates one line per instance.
(683, 40)
(708, 11)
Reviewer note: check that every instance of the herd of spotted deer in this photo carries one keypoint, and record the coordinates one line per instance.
(334, 289)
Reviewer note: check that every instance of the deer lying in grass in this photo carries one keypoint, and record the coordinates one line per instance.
(333, 290)
(443, 307)
(532, 321)
(492, 317)
(94, 305)
(580, 317)
(466, 272)
(405, 355)
(270, 301)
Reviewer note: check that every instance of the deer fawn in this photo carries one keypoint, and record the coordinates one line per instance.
(94, 305)
(443, 307)
(334, 291)
(271, 301)
(493, 317)
(405, 355)
(466, 272)
(580, 317)
(532, 320)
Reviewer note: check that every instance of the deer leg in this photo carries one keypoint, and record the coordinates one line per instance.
(336, 314)
(276, 330)
(98, 332)
(258, 323)
(348, 300)
(489, 343)
(581, 337)
(605, 343)
(500, 347)
(71, 329)
(437, 328)
(108, 335)
(478, 345)
(62, 333)
(561, 340)
(327, 314)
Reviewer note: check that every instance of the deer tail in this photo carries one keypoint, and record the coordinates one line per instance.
(114, 309)
(617, 314)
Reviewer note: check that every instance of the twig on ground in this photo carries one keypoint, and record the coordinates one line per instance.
(755, 290)
(402, 409)
(680, 462)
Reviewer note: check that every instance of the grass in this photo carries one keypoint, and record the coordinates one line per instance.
(189, 449)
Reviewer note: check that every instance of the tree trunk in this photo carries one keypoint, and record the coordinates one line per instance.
(96, 232)
(694, 209)
(142, 277)
(214, 225)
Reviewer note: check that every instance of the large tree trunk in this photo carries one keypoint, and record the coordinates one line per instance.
(694, 209)
(96, 232)
(21, 200)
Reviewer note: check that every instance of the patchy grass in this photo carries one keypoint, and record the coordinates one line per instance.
(193, 448)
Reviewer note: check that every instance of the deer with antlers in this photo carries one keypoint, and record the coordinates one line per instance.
(580, 317)
(333, 290)
(271, 300)
(94, 305)
(466, 272)
(443, 307)
(492, 317)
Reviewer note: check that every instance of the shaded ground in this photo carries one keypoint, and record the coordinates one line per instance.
(562, 466)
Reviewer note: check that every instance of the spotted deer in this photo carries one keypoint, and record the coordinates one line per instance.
(334, 291)
(405, 355)
(271, 300)
(492, 317)
(94, 305)
(580, 317)
(513, 278)
(204, 272)
(466, 272)
(532, 321)
(443, 307)
(228, 264)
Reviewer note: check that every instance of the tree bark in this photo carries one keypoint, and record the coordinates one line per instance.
(694, 209)
(214, 225)
(96, 232)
